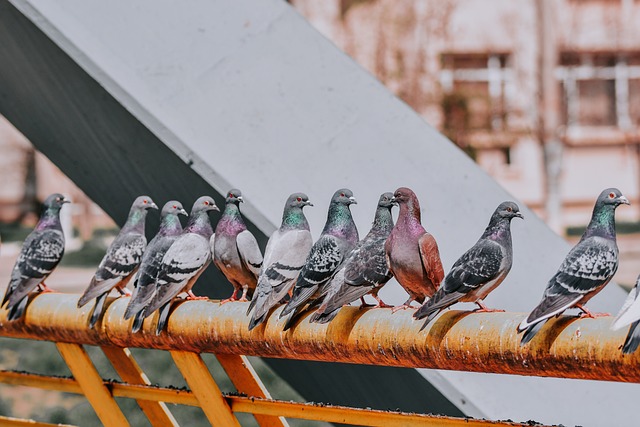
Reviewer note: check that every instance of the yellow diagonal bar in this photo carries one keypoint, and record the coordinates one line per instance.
(92, 385)
(209, 395)
(130, 372)
(246, 380)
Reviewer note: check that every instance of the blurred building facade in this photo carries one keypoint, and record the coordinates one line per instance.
(476, 71)
(28, 177)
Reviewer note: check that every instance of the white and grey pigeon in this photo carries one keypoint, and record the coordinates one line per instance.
(336, 241)
(366, 269)
(284, 256)
(588, 267)
(144, 283)
(630, 314)
(235, 249)
(479, 270)
(121, 261)
(184, 261)
(41, 252)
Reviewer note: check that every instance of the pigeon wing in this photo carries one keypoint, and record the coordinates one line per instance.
(431, 259)
(249, 252)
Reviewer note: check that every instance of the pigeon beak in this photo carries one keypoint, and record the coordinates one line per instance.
(240, 199)
(308, 203)
(215, 208)
(183, 212)
(623, 200)
(153, 206)
(353, 200)
(519, 215)
(65, 201)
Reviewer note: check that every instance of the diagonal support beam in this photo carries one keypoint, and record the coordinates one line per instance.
(92, 385)
(130, 372)
(247, 381)
(203, 386)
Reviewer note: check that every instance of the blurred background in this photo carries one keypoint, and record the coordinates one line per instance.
(543, 95)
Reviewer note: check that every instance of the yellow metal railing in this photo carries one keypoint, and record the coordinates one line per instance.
(482, 342)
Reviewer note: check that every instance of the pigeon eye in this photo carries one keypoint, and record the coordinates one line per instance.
(509, 209)
(341, 194)
(145, 202)
(612, 195)
(206, 203)
(230, 194)
(299, 199)
(175, 207)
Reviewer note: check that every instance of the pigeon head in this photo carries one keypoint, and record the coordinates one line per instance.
(173, 207)
(408, 202)
(611, 197)
(298, 200)
(387, 200)
(344, 196)
(507, 210)
(204, 204)
(234, 196)
(54, 202)
(143, 203)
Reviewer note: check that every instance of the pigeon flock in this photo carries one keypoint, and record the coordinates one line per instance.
(319, 278)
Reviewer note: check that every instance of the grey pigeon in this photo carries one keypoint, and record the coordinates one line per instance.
(184, 261)
(121, 260)
(235, 250)
(479, 270)
(630, 314)
(337, 239)
(412, 253)
(365, 271)
(144, 283)
(588, 267)
(41, 252)
(286, 252)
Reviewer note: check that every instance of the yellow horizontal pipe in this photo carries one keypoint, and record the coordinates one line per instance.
(251, 405)
(481, 342)
(17, 422)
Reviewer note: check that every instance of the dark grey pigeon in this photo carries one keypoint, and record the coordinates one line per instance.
(338, 238)
(630, 314)
(588, 267)
(121, 260)
(479, 270)
(365, 271)
(235, 250)
(184, 261)
(144, 283)
(284, 257)
(41, 252)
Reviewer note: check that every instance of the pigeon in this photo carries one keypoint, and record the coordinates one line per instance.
(630, 314)
(40, 254)
(286, 252)
(588, 267)
(144, 283)
(235, 250)
(479, 270)
(412, 253)
(121, 260)
(365, 271)
(184, 261)
(338, 238)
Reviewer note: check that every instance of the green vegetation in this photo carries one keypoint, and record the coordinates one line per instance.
(55, 407)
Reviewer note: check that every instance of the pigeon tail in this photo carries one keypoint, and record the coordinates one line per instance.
(255, 321)
(324, 317)
(531, 332)
(18, 309)
(163, 316)
(632, 341)
(430, 317)
(98, 309)
(138, 321)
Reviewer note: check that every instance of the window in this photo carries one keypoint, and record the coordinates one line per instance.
(474, 88)
(601, 89)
